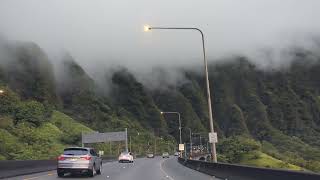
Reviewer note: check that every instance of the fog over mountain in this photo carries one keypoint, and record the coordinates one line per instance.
(111, 32)
(103, 36)
(73, 66)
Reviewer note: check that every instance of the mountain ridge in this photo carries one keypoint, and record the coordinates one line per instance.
(279, 107)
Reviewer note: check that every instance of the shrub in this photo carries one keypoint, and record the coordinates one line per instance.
(5, 122)
(9, 145)
(233, 148)
(71, 129)
(30, 111)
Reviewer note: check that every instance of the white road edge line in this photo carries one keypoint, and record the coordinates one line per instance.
(37, 177)
(164, 171)
(48, 174)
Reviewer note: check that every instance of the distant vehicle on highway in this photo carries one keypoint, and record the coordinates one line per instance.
(176, 154)
(165, 155)
(79, 160)
(125, 157)
(150, 155)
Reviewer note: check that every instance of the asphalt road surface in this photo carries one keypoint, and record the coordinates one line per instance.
(142, 169)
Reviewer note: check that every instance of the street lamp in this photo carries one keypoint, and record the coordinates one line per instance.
(146, 28)
(178, 119)
(190, 135)
(149, 28)
(1, 91)
(200, 142)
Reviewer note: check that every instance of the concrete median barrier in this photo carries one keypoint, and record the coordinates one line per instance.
(241, 172)
(24, 167)
(16, 168)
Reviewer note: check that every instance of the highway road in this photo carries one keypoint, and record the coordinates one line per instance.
(141, 169)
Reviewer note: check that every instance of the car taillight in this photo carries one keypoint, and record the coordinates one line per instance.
(86, 157)
(61, 158)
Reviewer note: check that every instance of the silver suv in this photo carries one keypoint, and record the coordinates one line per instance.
(79, 160)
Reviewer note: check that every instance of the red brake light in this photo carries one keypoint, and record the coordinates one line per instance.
(86, 157)
(61, 158)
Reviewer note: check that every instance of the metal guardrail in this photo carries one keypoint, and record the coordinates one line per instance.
(241, 172)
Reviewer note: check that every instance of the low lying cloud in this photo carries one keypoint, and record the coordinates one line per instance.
(102, 34)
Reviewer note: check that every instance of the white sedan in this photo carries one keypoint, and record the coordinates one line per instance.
(125, 157)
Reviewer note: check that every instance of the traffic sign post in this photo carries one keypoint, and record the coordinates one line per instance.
(101, 153)
(213, 138)
(181, 147)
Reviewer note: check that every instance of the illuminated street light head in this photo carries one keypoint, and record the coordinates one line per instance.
(147, 28)
(1, 91)
(161, 112)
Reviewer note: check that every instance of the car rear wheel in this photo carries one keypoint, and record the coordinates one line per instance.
(99, 170)
(91, 172)
(60, 173)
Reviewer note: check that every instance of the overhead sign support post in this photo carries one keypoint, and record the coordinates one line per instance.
(82, 144)
(126, 131)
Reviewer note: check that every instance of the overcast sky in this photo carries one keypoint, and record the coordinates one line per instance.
(111, 31)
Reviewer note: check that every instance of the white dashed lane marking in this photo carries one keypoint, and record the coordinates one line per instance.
(167, 176)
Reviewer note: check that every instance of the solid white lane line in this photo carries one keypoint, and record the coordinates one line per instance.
(167, 175)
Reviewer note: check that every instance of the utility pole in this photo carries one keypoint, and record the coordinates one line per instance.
(200, 143)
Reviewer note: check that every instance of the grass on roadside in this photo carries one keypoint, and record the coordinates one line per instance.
(260, 159)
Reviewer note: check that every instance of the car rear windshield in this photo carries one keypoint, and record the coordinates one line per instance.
(75, 151)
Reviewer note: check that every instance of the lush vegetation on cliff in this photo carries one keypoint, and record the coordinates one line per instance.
(264, 118)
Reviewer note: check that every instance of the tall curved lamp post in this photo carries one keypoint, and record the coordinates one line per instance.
(179, 118)
(149, 28)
